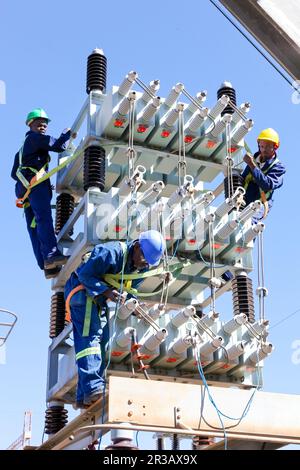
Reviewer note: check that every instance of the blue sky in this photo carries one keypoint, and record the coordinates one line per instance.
(43, 63)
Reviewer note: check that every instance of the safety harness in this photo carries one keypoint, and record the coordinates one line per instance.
(264, 196)
(39, 176)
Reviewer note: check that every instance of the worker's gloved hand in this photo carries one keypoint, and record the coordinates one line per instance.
(114, 295)
(249, 160)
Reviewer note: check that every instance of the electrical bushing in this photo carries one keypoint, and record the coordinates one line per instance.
(242, 295)
(96, 71)
(57, 315)
(56, 417)
(65, 204)
(227, 89)
(237, 180)
(94, 168)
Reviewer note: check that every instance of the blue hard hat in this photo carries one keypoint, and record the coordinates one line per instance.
(153, 245)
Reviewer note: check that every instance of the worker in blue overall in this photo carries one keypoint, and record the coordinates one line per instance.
(32, 159)
(262, 176)
(87, 291)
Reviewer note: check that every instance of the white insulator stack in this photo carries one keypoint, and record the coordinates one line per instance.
(235, 323)
(244, 109)
(182, 344)
(155, 340)
(127, 83)
(124, 338)
(127, 308)
(263, 351)
(174, 94)
(150, 110)
(224, 208)
(242, 131)
(206, 199)
(226, 230)
(183, 316)
(236, 350)
(153, 192)
(253, 231)
(177, 197)
(153, 87)
(128, 184)
(196, 121)
(125, 103)
(249, 211)
(209, 319)
(219, 107)
(220, 126)
(156, 311)
(200, 98)
(173, 115)
(211, 346)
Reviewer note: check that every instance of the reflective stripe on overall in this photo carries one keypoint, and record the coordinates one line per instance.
(263, 195)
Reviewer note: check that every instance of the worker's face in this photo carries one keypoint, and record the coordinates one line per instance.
(266, 149)
(138, 259)
(39, 125)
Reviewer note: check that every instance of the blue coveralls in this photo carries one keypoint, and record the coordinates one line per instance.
(35, 155)
(105, 259)
(265, 180)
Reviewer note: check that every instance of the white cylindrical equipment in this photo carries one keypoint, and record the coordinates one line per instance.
(235, 351)
(127, 308)
(127, 83)
(219, 107)
(235, 323)
(209, 319)
(249, 211)
(220, 126)
(263, 351)
(253, 231)
(155, 340)
(149, 110)
(125, 103)
(182, 344)
(196, 121)
(156, 311)
(153, 87)
(124, 338)
(153, 192)
(224, 208)
(200, 98)
(244, 109)
(242, 131)
(174, 94)
(226, 230)
(210, 346)
(183, 316)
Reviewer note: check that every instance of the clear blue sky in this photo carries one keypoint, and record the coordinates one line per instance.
(43, 63)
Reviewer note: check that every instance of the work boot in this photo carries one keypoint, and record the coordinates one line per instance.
(90, 399)
(53, 272)
(55, 260)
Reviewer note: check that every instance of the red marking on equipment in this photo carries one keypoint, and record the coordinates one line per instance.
(232, 149)
(141, 129)
(167, 237)
(216, 246)
(165, 133)
(210, 144)
(188, 139)
(118, 229)
(172, 359)
(192, 241)
(239, 249)
(118, 123)
(146, 356)
(226, 366)
(116, 353)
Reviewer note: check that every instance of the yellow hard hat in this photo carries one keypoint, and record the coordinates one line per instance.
(270, 135)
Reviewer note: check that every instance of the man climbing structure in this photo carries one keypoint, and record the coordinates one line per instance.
(32, 160)
(262, 176)
(99, 279)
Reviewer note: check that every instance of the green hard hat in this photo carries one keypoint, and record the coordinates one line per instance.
(36, 113)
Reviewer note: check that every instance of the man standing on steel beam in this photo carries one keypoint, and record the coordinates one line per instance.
(32, 160)
(87, 291)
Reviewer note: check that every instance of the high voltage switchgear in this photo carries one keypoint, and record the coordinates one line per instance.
(151, 162)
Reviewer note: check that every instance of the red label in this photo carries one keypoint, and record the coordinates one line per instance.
(172, 359)
(117, 353)
(210, 144)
